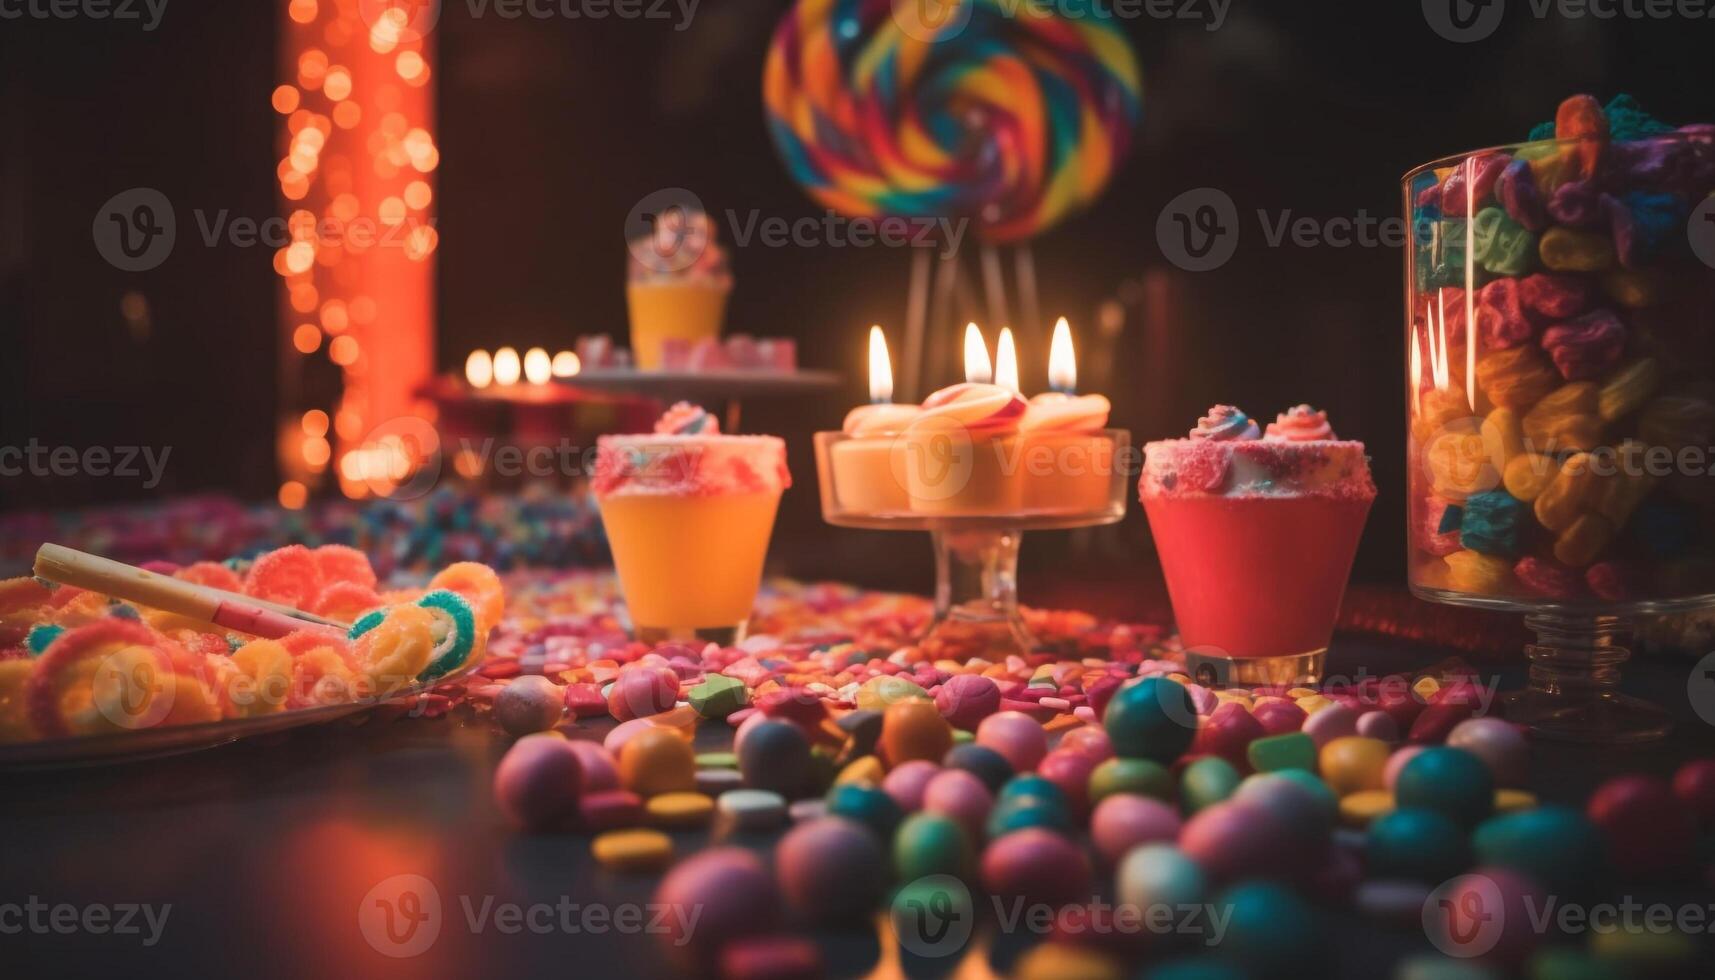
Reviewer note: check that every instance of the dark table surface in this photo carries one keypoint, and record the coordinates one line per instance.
(279, 857)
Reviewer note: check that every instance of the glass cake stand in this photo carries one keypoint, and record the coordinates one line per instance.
(1076, 481)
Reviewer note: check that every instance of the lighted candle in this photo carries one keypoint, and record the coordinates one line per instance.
(537, 366)
(1062, 364)
(880, 368)
(506, 366)
(479, 369)
(1006, 362)
(978, 369)
(565, 364)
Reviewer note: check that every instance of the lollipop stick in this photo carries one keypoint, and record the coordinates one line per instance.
(916, 315)
(994, 287)
(940, 312)
(1030, 312)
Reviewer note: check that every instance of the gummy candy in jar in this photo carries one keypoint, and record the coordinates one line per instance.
(1560, 394)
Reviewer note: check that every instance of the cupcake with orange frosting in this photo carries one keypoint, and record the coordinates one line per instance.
(963, 452)
(1068, 463)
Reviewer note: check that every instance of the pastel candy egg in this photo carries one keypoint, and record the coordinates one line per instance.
(1502, 747)
(1010, 813)
(531, 703)
(1090, 740)
(1353, 763)
(1335, 721)
(1154, 718)
(1015, 735)
(1270, 930)
(1279, 717)
(1554, 845)
(930, 844)
(1299, 800)
(775, 755)
(600, 773)
(1037, 865)
(538, 781)
(914, 730)
(959, 796)
(1137, 776)
(907, 782)
(1070, 770)
(657, 761)
(1646, 828)
(1378, 725)
(1205, 782)
(1230, 840)
(1159, 875)
(1124, 821)
(1450, 781)
(830, 870)
(868, 806)
(1396, 762)
(1227, 732)
(1416, 844)
(733, 890)
(966, 699)
(980, 761)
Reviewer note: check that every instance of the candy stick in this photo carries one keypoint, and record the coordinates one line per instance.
(994, 286)
(916, 317)
(258, 617)
(946, 282)
(1030, 313)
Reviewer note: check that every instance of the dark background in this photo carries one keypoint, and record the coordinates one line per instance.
(550, 130)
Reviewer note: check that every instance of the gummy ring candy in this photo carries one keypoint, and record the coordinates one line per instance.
(345, 600)
(22, 594)
(289, 575)
(322, 675)
(109, 675)
(212, 574)
(14, 714)
(340, 563)
(480, 587)
(454, 627)
(261, 680)
(299, 642)
(83, 609)
(396, 646)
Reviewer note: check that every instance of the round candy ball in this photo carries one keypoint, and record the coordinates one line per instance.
(1353, 764)
(1090, 739)
(1206, 782)
(736, 896)
(1030, 784)
(1646, 828)
(1489, 913)
(531, 703)
(1124, 821)
(830, 870)
(1070, 770)
(1694, 785)
(966, 699)
(538, 781)
(1396, 762)
(867, 806)
(907, 781)
(1228, 732)
(1279, 717)
(1501, 746)
(775, 756)
(930, 844)
(1021, 812)
(1151, 719)
(601, 772)
(1450, 781)
(1015, 735)
(1416, 844)
(914, 730)
(1231, 840)
(1139, 776)
(1270, 930)
(657, 761)
(1299, 800)
(640, 691)
(980, 761)
(1378, 724)
(1159, 874)
(1555, 846)
(961, 797)
(1036, 865)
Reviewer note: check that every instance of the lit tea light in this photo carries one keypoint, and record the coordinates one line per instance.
(565, 364)
(880, 368)
(1006, 362)
(506, 366)
(479, 369)
(538, 366)
(978, 368)
(1062, 362)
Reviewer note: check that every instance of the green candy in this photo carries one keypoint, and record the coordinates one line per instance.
(1206, 782)
(717, 760)
(1416, 844)
(1500, 244)
(930, 844)
(1450, 781)
(1555, 846)
(1294, 750)
(1152, 719)
(1140, 776)
(1441, 257)
(718, 696)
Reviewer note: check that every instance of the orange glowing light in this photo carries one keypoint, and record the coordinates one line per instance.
(1062, 362)
(285, 100)
(293, 495)
(410, 64)
(294, 186)
(880, 367)
(315, 423)
(312, 68)
(302, 11)
(565, 364)
(1006, 361)
(391, 211)
(317, 452)
(347, 114)
(506, 366)
(420, 242)
(538, 366)
(418, 195)
(342, 350)
(348, 425)
(335, 318)
(300, 256)
(978, 368)
(479, 369)
(304, 297)
(307, 339)
(337, 84)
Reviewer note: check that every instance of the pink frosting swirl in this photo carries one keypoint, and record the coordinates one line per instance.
(983, 409)
(1300, 423)
(1225, 423)
(686, 419)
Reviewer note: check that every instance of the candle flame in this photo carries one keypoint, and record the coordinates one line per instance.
(565, 364)
(479, 369)
(538, 366)
(880, 368)
(1062, 362)
(1006, 362)
(506, 366)
(978, 369)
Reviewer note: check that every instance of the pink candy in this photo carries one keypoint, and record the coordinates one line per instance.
(1016, 736)
(1123, 821)
(1585, 346)
(1501, 321)
(966, 699)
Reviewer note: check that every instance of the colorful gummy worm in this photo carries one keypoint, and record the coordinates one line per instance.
(1006, 114)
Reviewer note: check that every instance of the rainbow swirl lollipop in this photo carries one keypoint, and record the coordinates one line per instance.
(1011, 120)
